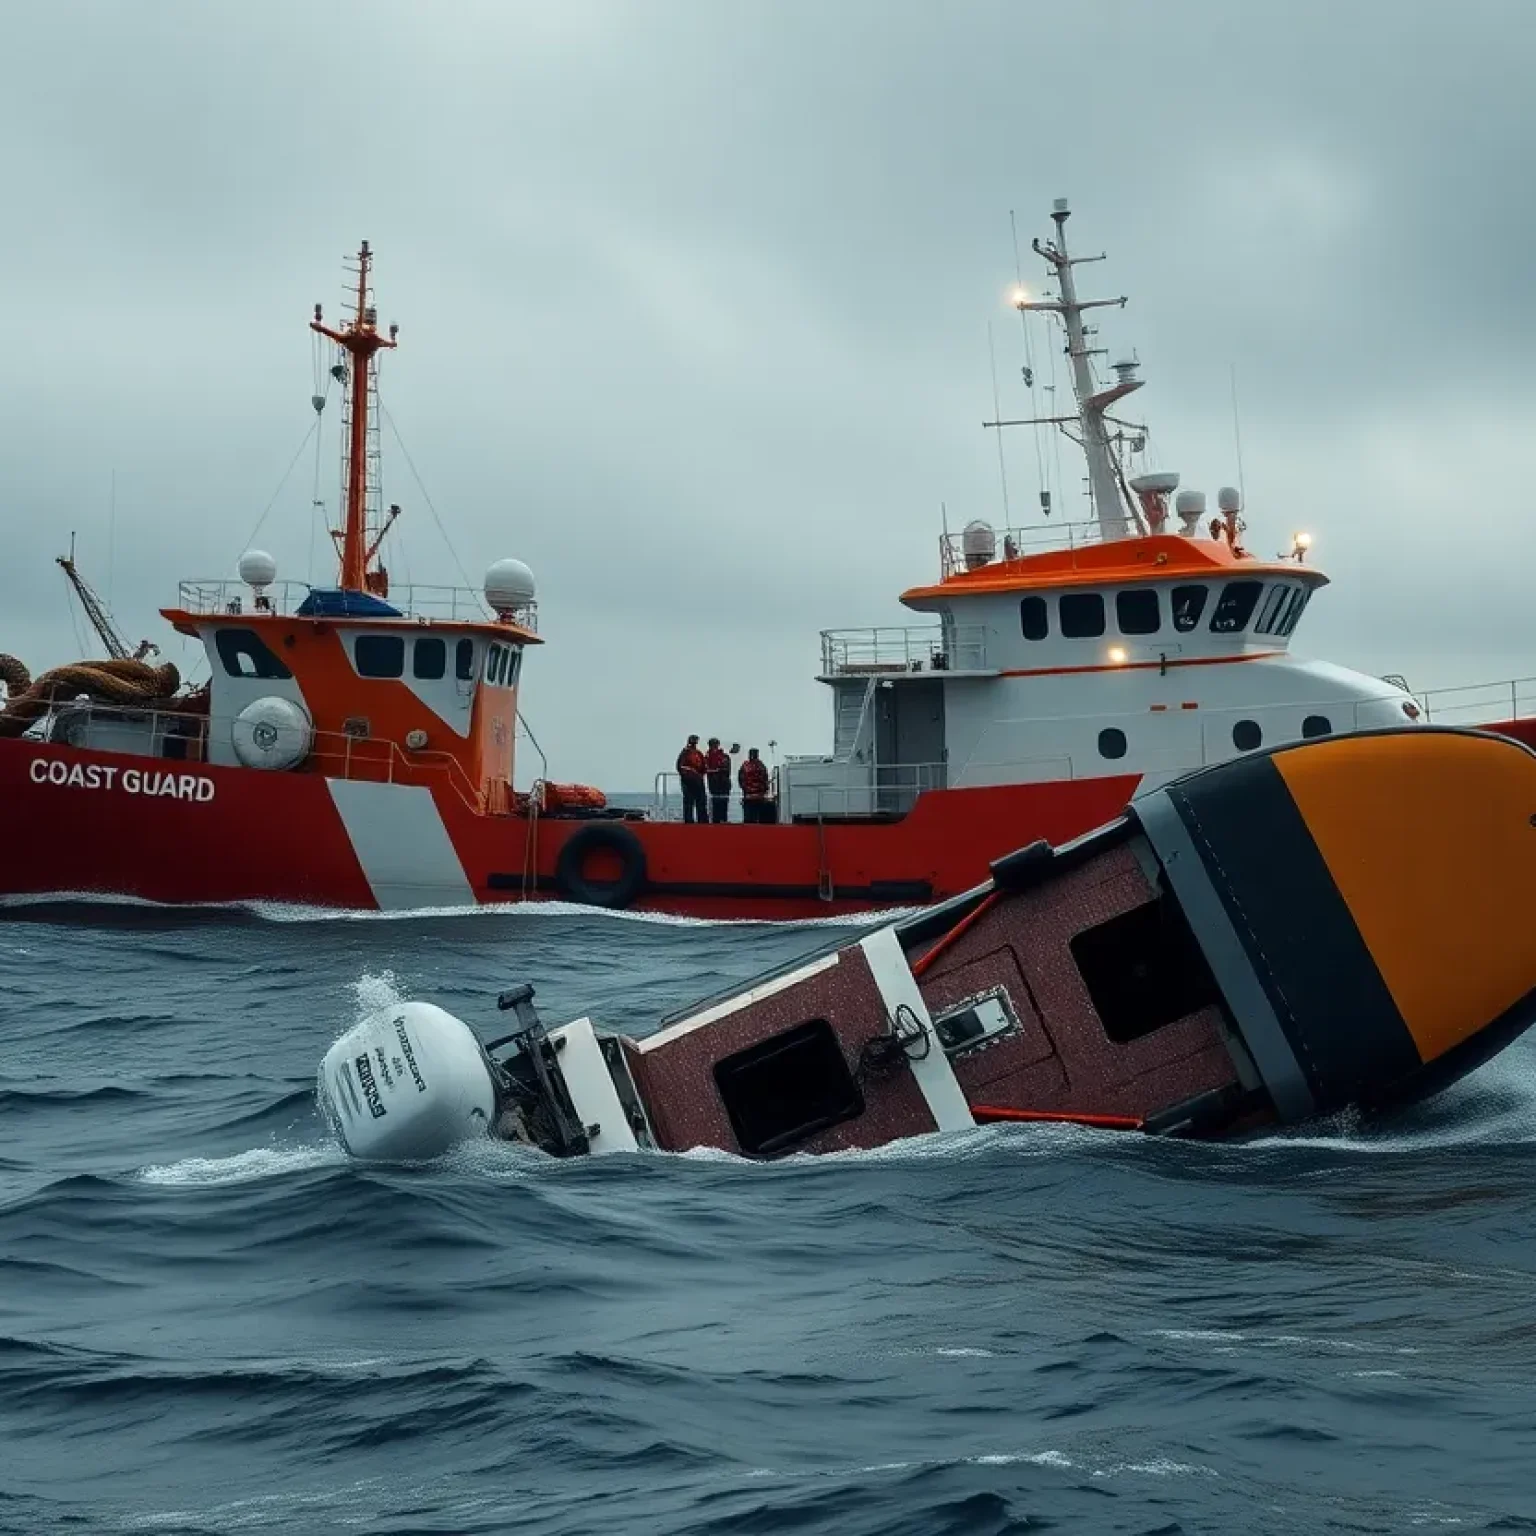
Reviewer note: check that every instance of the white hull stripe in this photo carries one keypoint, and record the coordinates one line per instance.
(399, 838)
(935, 1077)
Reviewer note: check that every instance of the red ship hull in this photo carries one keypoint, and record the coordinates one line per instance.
(92, 822)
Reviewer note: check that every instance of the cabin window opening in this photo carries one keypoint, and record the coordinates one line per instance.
(1143, 970)
(514, 664)
(788, 1087)
(245, 654)
(1188, 604)
(1112, 742)
(1082, 615)
(1299, 601)
(464, 661)
(1034, 618)
(1235, 606)
(429, 659)
(1247, 736)
(380, 655)
(1273, 609)
(1316, 725)
(492, 664)
(1138, 612)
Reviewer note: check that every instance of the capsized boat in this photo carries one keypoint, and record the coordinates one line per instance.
(1332, 925)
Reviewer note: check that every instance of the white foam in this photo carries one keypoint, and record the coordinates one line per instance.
(1298, 1342)
(296, 912)
(243, 1167)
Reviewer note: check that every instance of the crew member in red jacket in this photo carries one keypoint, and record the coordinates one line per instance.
(717, 773)
(690, 769)
(753, 779)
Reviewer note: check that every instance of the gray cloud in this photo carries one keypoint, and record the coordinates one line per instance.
(695, 303)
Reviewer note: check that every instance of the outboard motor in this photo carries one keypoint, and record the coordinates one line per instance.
(407, 1084)
(412, 1081)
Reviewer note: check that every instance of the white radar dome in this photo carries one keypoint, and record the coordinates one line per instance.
(272, 732)
(1190, 505)
(978, 544)
(407, 1084)
(1229, 499)
(1162, 482)
(257, 568)
(508, 585)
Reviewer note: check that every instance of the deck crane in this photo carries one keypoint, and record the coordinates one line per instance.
(96, 612)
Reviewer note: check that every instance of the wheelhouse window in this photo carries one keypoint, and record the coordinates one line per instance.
(1300, 596)
(1235, 606)
(1188, 603)
(464, 661)
(1247, 736)
(380, 655)
(1276, 604)
(1082, 615)
(429, 658)
(245, 654)
(1138, 612)
(501, 664)
(1034, 618)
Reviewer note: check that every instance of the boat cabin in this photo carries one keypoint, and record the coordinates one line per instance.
(1114, 647)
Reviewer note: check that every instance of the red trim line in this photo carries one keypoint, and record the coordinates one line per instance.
(986, 1113)
(1139, 666)
(984, 906)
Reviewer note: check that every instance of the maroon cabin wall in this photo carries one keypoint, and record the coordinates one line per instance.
(1064, 1062)
(677, 1083)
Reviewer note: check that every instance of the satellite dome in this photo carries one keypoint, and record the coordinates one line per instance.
(978, 543)
(509, 585)
(257, 568)
(1229, 499)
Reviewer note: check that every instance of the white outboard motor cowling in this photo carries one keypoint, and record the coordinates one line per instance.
(407, 1084)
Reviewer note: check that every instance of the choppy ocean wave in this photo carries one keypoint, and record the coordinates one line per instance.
(212, 1321)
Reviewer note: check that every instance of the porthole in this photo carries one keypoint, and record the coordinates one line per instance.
(1247, 736)
(1316, 725)
(1112, 742)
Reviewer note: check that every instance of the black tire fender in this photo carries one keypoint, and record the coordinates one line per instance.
(573, 884)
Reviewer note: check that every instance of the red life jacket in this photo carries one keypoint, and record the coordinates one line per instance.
(753, 778)
(690, 763)
(717, 764)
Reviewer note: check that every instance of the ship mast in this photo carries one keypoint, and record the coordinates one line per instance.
(359, 338)
(1104, 479)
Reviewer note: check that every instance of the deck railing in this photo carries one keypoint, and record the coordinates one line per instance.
(415, 600)
(1480, 703)
(1014, 543)
(913, 648)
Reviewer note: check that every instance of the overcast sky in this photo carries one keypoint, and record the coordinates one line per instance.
(695, 299)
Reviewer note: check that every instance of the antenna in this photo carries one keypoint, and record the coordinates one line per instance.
(1237, 434)
(997, 411)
